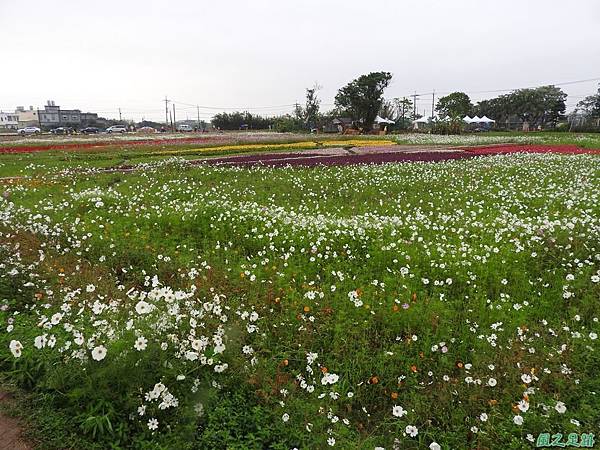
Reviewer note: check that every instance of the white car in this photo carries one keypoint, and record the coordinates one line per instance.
(184, 127)
(117, 129)
(29, 130)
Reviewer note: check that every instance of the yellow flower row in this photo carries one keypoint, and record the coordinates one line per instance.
(358, 142)
(293, 145)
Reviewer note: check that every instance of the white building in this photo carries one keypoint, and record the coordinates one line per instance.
(9, 121)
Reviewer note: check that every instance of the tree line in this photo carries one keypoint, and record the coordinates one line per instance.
(362, 100)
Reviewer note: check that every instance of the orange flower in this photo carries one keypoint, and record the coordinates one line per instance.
(285, 362)
(277, 300)
(413, 368)
(324, 369)
(396, 308)
(373, 380)
(307, 309)
(394, 395)
(459, 364)
(492, 402)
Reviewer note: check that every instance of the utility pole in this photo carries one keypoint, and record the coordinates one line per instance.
(166, 111)
(297, 110)
(120, 115)
(415, 106)
(432, 103)
(174, 119)
(198, 110)
(171, 117)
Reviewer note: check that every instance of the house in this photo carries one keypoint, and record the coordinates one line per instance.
(53, 116)
(49, 117)
(9, 121)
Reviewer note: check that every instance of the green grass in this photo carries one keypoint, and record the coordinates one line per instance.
(415, 284)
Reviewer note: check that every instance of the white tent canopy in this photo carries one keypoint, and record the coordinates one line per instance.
(422, 120)
(477, 119)
(379, 119)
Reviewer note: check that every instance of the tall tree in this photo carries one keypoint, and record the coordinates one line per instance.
(404, 110)
(311, 110)
(363, 96)
(539, 106)
(457, 104)
(590, 106)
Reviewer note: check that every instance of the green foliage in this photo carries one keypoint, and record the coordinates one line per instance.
(455, 105)
(237, 120)
(452, 125)
(543, 106)
(362, 97)
(288, 124)
(590, 105)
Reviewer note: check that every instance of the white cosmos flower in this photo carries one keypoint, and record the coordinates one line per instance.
(40, 341)
(523, 405)
(492, 382)
(143, 307)
(411, 430)
(219, 368)
(153, 424)
(560, 407)
(141, 343)
(15, 348)
(518, 420)
(98, 353)
(329, 378)
(435, 446)
(398, 411)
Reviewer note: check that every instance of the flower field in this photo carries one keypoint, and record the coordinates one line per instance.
(447, 305)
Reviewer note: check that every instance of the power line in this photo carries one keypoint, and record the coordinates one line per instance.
(233, 107)
(491, 91)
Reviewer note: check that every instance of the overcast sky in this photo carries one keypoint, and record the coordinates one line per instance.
(102, 55)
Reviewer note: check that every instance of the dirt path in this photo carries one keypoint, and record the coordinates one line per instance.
(11, 430)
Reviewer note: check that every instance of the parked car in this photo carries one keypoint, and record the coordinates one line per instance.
(90, 130)
(117, 129)
(185, 128)
(29, 130)
(62, 130)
